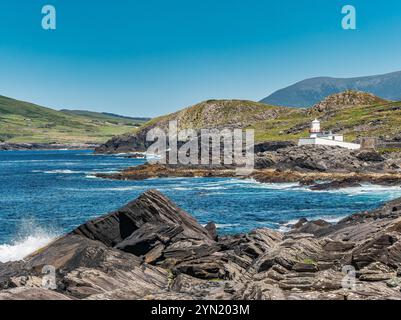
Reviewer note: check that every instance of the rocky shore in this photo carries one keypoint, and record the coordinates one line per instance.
(5, 146)
(309, 165)
(152, 249)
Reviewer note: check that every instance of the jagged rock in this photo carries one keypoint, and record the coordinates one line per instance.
(333, 185)
(310, 158)
(312, 227)
(154, 228)
(305, 267)
(168, 255)
(153, 208)
(272, 146)
(338, 246)
(300, 223)
(370, 156)
(211, 228)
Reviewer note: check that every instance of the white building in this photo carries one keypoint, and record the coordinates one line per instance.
(319, 137)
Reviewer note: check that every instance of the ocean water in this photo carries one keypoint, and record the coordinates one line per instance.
(44, 194)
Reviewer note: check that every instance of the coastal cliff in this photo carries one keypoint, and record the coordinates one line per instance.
(152, 249)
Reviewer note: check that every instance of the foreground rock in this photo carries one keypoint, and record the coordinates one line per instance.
(152, 249)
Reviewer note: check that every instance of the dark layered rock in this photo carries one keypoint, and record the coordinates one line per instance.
(334, 185)
(316, 158)
(151, 249)
(151, 208)
(272, 146)
(154, 228)
(330, 159)
(125, 143)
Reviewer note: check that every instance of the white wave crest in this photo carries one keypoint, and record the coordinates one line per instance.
(62, 171)
(29, 239)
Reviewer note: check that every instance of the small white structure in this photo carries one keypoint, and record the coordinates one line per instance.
(319, 137)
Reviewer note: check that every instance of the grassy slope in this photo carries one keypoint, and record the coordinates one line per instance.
(359, 121)
(218, 113)
(115, 119)
(25, 122)
(380, 119)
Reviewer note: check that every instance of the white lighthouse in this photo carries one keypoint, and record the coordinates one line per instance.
(319, 137)
(315, 128)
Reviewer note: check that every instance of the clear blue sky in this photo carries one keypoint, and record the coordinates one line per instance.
(150, 57)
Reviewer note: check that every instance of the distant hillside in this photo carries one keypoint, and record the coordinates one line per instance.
(308, 92)
(106, 116)
(356, 114)
(26, 122)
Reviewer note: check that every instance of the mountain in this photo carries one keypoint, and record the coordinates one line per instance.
(106, 116)
(308, 92)
(26, 122)
(356, 114)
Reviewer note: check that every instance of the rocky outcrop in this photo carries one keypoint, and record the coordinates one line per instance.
(327, 159)
(152, 228)
(347, 99)
(337, 167)
(334, 185)
(272, 146)
(125, 143)
(152, 249)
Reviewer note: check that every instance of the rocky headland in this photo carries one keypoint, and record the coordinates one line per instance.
(152, 249)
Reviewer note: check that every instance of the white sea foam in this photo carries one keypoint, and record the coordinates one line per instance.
(62, 171)
(366, 189)
(28, 240)
(89, 176)
(129, 188)
(285, 227)
(226, 225)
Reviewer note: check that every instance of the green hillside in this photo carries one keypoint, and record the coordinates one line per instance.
(109, 117)
(26, 122)
(355, 114)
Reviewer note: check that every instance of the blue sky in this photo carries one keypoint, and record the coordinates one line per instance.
(150, 57)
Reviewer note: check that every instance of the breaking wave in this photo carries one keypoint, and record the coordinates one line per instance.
(29, 239)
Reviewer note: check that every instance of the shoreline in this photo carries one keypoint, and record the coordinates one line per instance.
(5, 146)
(337, 179)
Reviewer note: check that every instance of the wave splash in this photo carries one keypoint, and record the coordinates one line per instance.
(29, 238)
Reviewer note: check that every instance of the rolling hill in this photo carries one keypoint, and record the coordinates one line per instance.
(356, 114)
(106, 116)
(308, 92)
(26, 122)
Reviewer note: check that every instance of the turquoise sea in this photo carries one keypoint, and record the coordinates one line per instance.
(44, 194)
